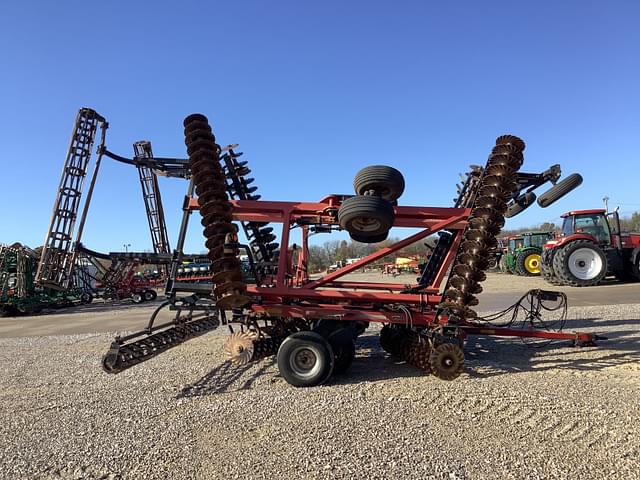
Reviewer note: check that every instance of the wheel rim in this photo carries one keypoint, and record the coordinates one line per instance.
(367, 224)
(532, 263)
(585, 263)
(304, 361)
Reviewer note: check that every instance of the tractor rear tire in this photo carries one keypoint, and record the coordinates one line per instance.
(366, 216)
(580, 263)
(305, 359)
(520, 204)
(528, 262)
(559, 190)
(386, 182)
(546, 267)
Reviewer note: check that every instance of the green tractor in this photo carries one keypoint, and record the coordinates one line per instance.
(522, 253)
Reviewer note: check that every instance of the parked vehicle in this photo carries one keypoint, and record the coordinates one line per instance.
(591, 247)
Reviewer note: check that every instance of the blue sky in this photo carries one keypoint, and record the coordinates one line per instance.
(313, 92)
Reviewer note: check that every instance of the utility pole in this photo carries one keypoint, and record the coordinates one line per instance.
(606, 203)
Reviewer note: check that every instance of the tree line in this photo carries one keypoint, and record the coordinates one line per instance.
(332, 252)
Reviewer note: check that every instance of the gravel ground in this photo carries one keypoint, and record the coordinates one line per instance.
(516, 412)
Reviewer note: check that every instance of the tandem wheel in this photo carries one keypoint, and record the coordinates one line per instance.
(305, 359)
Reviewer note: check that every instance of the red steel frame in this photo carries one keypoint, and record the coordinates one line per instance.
(292, 294)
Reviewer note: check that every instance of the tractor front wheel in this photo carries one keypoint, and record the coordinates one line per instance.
(581, 263)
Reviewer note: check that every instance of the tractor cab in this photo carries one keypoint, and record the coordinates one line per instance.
(593, 223)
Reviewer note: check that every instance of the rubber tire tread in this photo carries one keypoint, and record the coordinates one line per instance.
(518, 207)
(366, 206)
(559, 190)
(546, 267)
(283, 363)
(562, 272)
(391, 178)
(521, 258)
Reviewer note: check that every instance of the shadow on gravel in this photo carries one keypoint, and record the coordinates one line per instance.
(227, 377)
(485, 357)
(491, 356)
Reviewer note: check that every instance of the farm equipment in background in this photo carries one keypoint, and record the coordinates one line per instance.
(522, 253)
(115, 274)
(591, 246)
(21, 295)
(59, 259)
(311, 325)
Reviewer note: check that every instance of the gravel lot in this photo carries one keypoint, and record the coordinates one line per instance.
(517, 412)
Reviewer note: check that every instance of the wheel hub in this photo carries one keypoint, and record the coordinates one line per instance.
(585, 264)
(304, 361)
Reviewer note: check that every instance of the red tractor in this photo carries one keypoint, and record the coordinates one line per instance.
(591, 246)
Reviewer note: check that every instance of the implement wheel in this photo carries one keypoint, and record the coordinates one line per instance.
(366, 217)
(528, 262)
(383, 181)
(446, 361)
(305, 359)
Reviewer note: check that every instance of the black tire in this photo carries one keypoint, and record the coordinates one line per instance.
(380, 238)
(137, 297)
(86, 298)
(366, 216)
(149, 295)
(567, 264)
(546, 267)
(305, 359)
(344, 353)
(520, 204)
(524, 260)
(559, 190)
(386, 182)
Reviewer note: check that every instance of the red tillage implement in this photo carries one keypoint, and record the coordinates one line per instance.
(312, 324)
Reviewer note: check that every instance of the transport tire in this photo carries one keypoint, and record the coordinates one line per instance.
(528, 262)
(367, 217)
(520, 204)
(580, 263)
(380, 238)
(386, 182)
(559, 190)
(305, 359)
